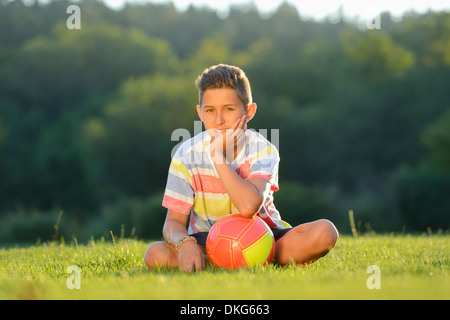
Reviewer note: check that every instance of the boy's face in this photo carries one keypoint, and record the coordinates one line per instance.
(221, 108)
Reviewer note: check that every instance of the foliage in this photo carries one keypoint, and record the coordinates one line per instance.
(423, 196)
(437, 139)
(135, 216)
(299, 204)
(87, 116)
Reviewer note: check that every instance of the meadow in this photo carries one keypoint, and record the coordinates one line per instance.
(408, 267)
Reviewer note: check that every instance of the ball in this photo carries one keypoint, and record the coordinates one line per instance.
(234, 242)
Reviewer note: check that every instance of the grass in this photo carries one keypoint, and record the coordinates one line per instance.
(411, 267)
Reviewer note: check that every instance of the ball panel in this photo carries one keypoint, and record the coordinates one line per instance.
(213, 234)
(272, 251)
(234, 226)
(252, 234)
(238, 259)
(221, 252)
(260, 251)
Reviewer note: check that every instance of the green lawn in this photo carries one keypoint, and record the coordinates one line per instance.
(411, 267)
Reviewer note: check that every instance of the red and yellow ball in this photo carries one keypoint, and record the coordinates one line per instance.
(234, 242)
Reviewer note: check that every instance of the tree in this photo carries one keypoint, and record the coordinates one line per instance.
(437, 139)
(376, 56)
(60, 71)
(131, 143)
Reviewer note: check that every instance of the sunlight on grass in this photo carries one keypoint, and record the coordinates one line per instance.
(412, 267)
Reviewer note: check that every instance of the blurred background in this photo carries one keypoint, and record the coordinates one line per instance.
(86, 116)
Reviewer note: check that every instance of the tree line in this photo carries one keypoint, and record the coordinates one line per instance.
(86, 116)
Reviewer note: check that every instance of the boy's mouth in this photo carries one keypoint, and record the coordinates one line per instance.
(220, 131)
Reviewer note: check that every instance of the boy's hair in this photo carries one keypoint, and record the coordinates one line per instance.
(225, 76)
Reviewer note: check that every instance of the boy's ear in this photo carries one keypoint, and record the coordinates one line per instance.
(251, 110)
(199, 111)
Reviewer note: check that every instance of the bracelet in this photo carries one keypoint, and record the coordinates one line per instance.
(185, 239)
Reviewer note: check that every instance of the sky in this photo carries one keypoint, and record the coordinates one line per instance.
(317, 9)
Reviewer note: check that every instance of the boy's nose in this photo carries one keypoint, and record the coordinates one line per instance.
(219, 118)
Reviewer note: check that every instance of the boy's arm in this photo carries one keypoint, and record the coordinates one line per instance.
(190, 255)
(174, 228)
(247, 195)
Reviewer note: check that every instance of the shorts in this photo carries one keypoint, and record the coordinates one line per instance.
(201, 236)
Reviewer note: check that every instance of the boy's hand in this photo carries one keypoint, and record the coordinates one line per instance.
(227, 144)
(191, 257)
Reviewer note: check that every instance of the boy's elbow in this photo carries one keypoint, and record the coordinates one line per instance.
(250, 209)
(247, 214)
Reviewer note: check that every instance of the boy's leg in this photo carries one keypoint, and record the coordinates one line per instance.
(306, 243)
(163, 255)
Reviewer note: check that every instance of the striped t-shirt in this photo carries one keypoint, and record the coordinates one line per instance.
(194, 186)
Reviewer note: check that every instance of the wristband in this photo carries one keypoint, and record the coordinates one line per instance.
(185, 239)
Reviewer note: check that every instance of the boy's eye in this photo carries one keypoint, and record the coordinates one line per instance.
(208, 110)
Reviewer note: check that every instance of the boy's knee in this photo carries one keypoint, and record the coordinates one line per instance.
(327, 233)
(156, 255)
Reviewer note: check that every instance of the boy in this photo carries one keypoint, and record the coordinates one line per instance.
(228, 169)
